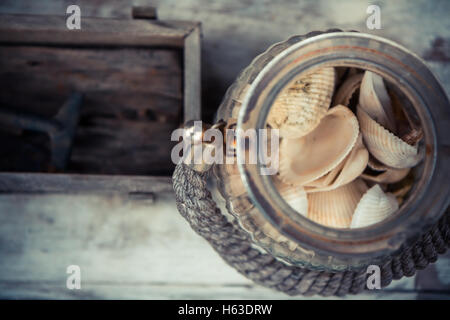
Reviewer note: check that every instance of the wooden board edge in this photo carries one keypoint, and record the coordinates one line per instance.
(17, 183)
(192, 75)
(52, 30)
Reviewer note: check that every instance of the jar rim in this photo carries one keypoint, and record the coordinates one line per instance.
(394, 63)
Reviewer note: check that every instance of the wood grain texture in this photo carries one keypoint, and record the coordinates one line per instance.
(126, 250)
(50, 74)
(192, 76)
(133, 100)
(94, 32)
(41, 183)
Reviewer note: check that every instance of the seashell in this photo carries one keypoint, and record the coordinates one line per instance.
(408, 129)
(299, 108)
(385, 146)
(374, 206)
(401, 192)
(335, 208)
(326, 180)
(376, 165)
(402, 188)
(294, 196)
(348, 89)
(341, 73)
(349, 169)
(308, 158)
(388, 176)
(375, 101)
(413, 136)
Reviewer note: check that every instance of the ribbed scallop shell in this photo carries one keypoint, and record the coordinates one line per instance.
(294, 196)
(335, 208)
(347, 171)
(308, 158)
(375, 101)
(300, 107)
(389, 176)
(348, 89)
(374, 206)
(385, 146)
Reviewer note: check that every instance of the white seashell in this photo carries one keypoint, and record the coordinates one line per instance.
(348, 89)
(385, 146)
(374, 206)
(335, 208)
(299, 108)
(294, 196)
(375, 101)
(352, 166)
(389, 176)
(308, 158)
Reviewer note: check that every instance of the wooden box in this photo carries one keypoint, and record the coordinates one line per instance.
(139, 80)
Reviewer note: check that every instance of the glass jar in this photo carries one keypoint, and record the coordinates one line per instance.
(255, 202)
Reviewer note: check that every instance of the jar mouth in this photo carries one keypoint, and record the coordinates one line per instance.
(430, 196)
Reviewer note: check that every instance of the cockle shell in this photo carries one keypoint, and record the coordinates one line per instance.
(299, 108)
(376, 165)
(348, 89)
(389, 176)
(374, 206)
(335, 208)
(294, 196)
(385, 146)
(413, 136)
(375, 101)
(308, 158)
(348, 170)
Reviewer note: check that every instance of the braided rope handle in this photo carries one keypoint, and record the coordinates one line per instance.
(234, 245)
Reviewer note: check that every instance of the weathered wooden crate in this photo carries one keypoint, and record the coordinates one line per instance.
(139, 78)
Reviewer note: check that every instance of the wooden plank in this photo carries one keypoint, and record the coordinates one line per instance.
(121, 146)
(108, 79)
(94, 31)
(160, 291)
(50, 74)
(126, 250)
(192, 76)
(133, 100)
(41, 183)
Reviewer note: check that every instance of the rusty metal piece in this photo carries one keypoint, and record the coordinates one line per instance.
(60, 128)
(196, 145)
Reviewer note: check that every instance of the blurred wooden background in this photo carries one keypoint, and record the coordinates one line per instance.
(146, 250)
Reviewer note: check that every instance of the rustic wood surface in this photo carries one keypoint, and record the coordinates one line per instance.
(53, 30)
(133, 100)
(110, 75)
(132, 250)
(39, 183)
(126, 250)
